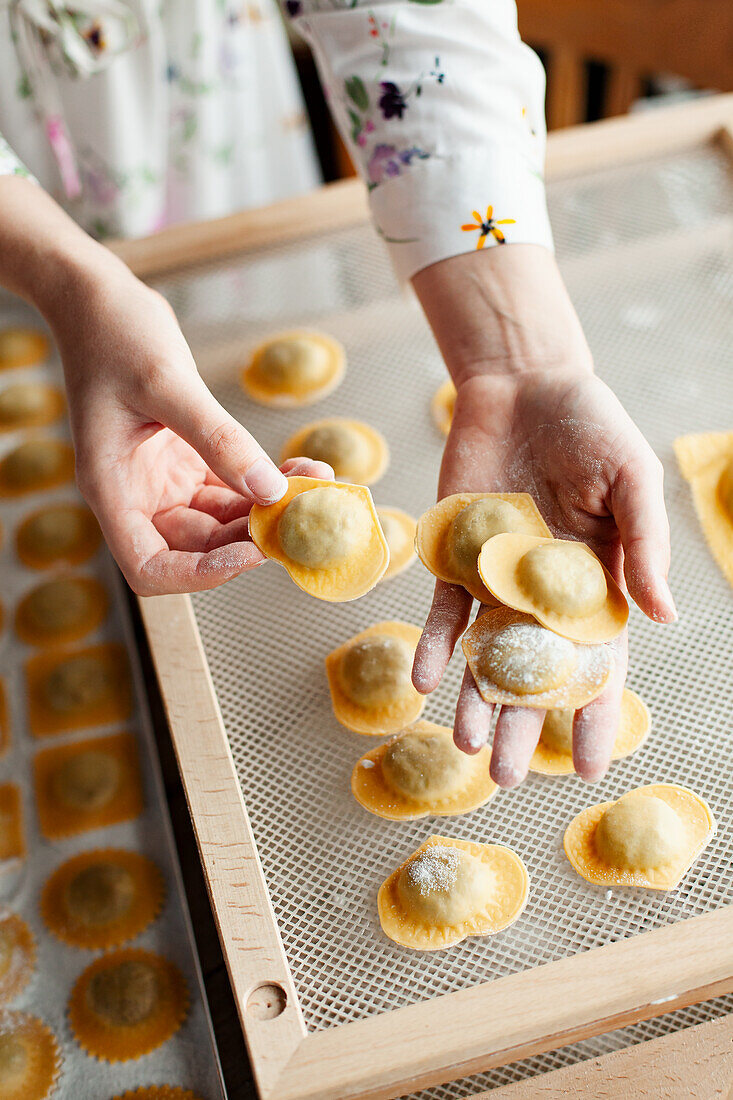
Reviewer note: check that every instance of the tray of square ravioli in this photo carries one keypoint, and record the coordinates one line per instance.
(87, 862)
(324, 855)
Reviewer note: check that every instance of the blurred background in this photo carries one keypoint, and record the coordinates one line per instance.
(602, 58)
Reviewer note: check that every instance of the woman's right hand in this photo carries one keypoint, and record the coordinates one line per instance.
(169, 473)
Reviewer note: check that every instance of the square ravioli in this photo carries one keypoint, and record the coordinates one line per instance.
(73, 689)
(87, 785)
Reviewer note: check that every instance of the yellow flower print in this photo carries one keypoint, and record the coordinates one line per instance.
(488, 225)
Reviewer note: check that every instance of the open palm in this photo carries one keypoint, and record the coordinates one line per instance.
(564, 438)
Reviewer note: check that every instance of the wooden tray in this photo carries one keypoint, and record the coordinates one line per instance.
(387, 1053)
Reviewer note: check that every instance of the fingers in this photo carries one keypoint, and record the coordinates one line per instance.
(225, 505)
(188, 529)
(473, 716)
(515, 739)
(226, 447)
(307, 467)
(177, 571)
(151, 568)
(595, 726)
(446, 621)
(637, 503)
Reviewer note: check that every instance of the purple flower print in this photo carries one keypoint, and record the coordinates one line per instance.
(386, 162)
(392, 103)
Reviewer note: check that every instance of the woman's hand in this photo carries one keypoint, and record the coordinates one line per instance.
(532, 417)
(170, 475)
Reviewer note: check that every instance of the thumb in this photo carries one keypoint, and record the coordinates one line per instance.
(227, 448)
(637, 503)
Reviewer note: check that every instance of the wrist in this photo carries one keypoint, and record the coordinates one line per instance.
(504, 311)
(44, 256)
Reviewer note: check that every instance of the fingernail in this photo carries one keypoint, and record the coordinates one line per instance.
(666, 592)
(265, 481)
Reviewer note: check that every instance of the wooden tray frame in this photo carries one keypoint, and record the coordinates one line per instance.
(488, 1025)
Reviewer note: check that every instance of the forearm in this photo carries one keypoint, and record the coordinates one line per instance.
(44, 256)
(502, 311)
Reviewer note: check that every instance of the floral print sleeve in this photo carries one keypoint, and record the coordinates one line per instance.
(10, 165)
(442, 107)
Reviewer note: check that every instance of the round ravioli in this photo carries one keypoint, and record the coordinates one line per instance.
(61, 610)
(519, 663)
(29, 405)
(650, 837)
(420, 771)
(450, 534)
(326, 535)
(157, 1092)
(103, 898)
(30, 1059)
(561, 583)
(450, 889)
(370, 679)
(36, 464)
(58, 534)
(355, 451)
(22, 347)
(294, 368)
(554, 752)
(17, 957)
(399, 531)
(126, 1004)
(443, 406)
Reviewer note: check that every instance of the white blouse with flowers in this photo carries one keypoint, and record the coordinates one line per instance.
(142, 113)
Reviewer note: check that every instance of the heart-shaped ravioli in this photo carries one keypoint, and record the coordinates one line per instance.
(450, 534)
(450, 889)
(294, 368)
(326, 535)
(420, 771)
(650, 837)
(355, 451)
(517, 662)
(561, 583)
(370, 679)
(554, 752)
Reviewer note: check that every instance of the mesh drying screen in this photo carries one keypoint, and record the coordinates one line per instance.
(646, 252)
